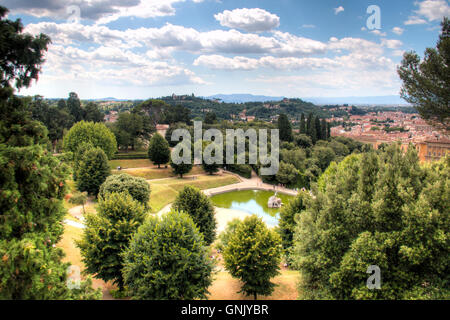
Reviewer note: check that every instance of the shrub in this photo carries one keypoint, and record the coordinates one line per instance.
(168, 259)
(138, 188)
(93, 171)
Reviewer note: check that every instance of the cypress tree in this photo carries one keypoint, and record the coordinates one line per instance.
(303, 124)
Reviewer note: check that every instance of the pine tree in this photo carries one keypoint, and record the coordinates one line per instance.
(158, 150)
(318, 129)
(285, 128)
(32, 182)
(303, 124)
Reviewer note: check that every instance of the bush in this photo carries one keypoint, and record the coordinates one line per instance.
(195, 203)
(93, 171)
(168, 259)
(138, 188)
(244, 170)
(108, 233)
(95, 133)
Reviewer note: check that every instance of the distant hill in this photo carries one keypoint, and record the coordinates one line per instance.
(376, 100)
(243, 98)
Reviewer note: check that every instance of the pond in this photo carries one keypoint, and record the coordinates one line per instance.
(252, 202)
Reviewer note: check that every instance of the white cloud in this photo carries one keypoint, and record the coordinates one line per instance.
(378, 33)
(397, 30)
(218, 62)
(250, 20)
(430, 10)
(338, 9)
(391, 43)
(101, 11)
(434, 9)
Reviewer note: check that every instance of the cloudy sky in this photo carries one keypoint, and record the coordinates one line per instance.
(293, 48)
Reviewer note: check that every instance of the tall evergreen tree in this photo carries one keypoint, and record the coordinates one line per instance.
(74, 106)
(158, 150)
(32, 182)
(284, 125)
(303, 124)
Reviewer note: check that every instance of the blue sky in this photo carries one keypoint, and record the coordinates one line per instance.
(293, 48)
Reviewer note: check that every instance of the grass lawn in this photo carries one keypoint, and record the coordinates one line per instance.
(165, 191)
(226, 287)
(155, 173)
(132, 163)
(67, 244)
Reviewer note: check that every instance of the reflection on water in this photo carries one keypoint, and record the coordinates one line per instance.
(253, 202)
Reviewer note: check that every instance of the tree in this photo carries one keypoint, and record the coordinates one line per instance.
(32, 182)
(79, 199)
(74, 106)
(168, 259)
(195, 203)
(324, 156)
(95, 133)
(210, 118)
(253, 255)
(426, 83)
(108, 233)
(137, 187)
(318, 129)
(210, 168)
(303, 124)
(386, 210)
(303, 141)
(225, 236)
(182, 168)
(287, 173)
(92, 113)
(285, 128)
(93, 171)
(287, 222)
(158, 150)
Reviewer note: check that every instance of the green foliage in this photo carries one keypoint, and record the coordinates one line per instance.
(253, 256)
(225, 236)
(244, 170)
(95, 133)
(181, 168)
(79, 199)
(158, 150)
(287, 221)
(108, 233)
(426, 84)
(379, 209)
(284, 125)
(210, 118)
(93, 171)
(287, 173)
(168, 259)
(195, 203)
(137, 187)
(21, 53)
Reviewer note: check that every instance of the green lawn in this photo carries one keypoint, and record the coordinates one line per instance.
(152, 173)
(165, 191)
(133, 163)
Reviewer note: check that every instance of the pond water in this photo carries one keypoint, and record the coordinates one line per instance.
(252, 202)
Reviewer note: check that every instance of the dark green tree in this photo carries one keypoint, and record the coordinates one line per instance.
(287, 173)
(158, 150)
(167, 259)
(137, 187)
(386, 210)
(253, 255)
(284, 125)
(74, 106)
(107, 235)
(210, 118)
(92, 113)
(303, 124)
(195, 203)
(93, 171)
(426, 83)
(32, 182)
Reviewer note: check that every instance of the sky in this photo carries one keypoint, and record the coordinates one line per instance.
(138, 49)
